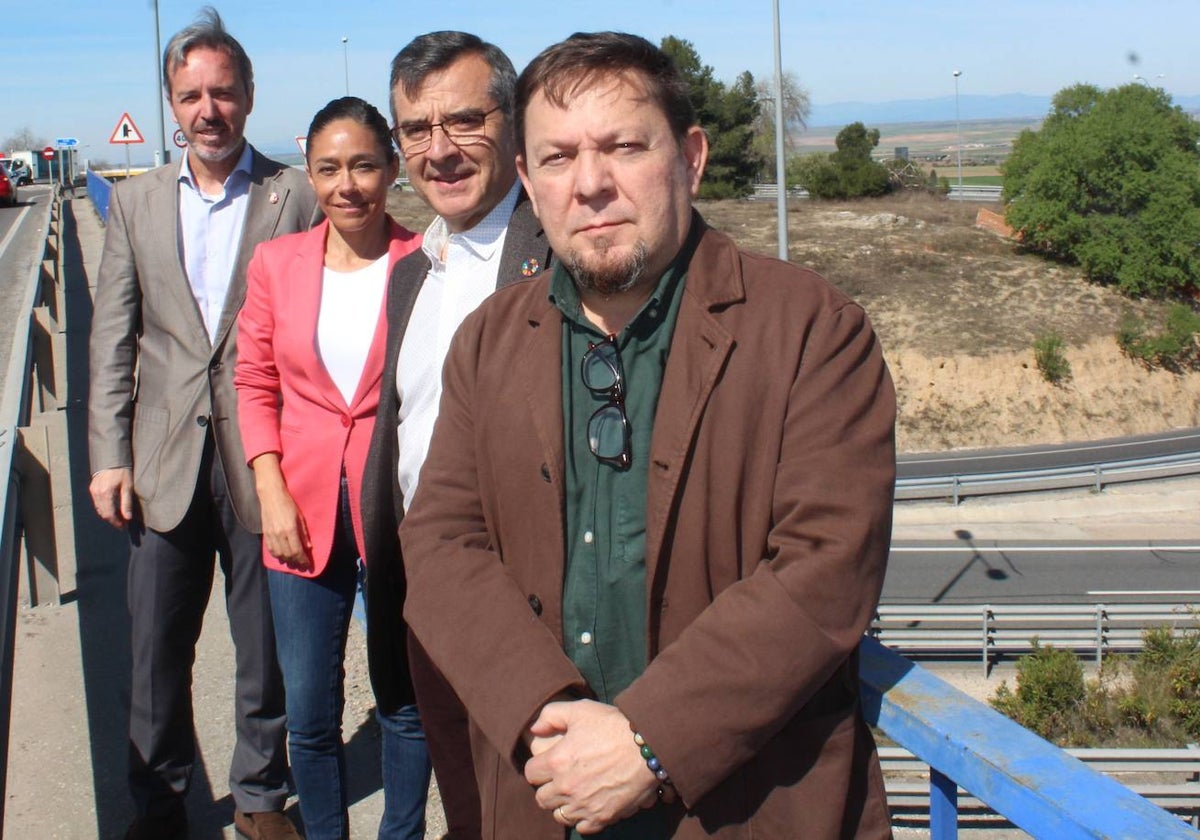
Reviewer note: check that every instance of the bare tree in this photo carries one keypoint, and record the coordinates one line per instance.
(23, 140)
(796, 109)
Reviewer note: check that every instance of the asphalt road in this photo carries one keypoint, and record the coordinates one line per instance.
(980, 572)
(22, 241)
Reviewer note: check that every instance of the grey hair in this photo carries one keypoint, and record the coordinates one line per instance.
(436, 51)
(208, 30)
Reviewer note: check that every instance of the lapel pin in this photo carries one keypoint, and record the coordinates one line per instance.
(274, 198)
(530, 267)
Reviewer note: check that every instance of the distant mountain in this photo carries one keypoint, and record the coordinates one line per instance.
(941, 109)
(971, 107)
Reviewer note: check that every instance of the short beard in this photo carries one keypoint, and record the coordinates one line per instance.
(608, 280)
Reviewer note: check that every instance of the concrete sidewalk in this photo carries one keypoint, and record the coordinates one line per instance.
(66, 770)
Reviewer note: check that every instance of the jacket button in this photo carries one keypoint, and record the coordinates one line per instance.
(545, 473)
(346, 421)
(202, 421)
(215, 365)
(535, 604)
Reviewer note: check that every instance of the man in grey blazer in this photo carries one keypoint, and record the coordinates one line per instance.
(452, 103)
(166, 457)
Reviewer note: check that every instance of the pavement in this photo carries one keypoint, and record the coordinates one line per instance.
(67, 755)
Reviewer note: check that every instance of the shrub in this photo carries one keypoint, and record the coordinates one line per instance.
(1048, 353)
(1050, 692)
(1176, 346)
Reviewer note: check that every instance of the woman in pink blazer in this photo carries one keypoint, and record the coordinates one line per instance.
(311, 340)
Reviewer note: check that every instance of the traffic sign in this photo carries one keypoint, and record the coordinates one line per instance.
(179, 139)
(66, 142)
(126, 131)
(302, 142)
(48, 153)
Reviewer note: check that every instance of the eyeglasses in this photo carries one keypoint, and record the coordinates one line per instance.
(466, 128)
(608, 428)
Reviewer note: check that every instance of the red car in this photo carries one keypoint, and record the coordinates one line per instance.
(8, 187)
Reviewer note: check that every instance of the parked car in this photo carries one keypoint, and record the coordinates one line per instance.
(18, 170)
(8, 187)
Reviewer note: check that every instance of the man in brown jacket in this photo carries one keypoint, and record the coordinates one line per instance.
(654, 519)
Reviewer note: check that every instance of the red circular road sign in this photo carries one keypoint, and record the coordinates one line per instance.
(179, 139)
(48, 153)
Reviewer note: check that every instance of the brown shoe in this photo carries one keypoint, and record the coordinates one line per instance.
(265, 825)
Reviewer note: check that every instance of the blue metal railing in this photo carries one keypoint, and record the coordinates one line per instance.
(99, 189)
(1033, 784)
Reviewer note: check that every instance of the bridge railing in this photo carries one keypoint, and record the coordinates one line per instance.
(99, 189)
(991, 630)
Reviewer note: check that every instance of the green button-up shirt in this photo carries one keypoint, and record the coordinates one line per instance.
(604, 586)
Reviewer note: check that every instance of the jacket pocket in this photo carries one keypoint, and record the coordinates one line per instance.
(150, 425)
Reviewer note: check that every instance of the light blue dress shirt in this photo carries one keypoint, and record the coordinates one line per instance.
(210, 231)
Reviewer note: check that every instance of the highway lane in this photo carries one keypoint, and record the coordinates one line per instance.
(970, 572)
(22, 239)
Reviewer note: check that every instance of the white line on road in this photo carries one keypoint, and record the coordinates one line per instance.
(12, 231)
(1027, 549)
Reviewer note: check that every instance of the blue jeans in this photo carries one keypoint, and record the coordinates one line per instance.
(312, 620)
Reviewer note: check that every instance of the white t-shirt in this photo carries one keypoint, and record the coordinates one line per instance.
(350, 302)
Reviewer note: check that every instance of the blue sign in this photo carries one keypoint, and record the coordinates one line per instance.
(66, 142)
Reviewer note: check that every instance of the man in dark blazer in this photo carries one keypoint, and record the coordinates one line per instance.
(452, 100)
(166, 457)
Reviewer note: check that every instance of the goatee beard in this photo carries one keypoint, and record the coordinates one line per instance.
(608, 280)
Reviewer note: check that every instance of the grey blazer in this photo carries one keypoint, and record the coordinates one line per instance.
(526, 253)
(157, 381)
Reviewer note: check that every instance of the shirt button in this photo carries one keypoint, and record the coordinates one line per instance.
(585, 637)
(588, 537)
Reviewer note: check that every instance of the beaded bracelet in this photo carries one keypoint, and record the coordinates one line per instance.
(660, 772)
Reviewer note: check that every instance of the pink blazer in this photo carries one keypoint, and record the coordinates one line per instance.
(287, 402)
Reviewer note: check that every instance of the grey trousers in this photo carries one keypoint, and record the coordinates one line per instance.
(169, 581)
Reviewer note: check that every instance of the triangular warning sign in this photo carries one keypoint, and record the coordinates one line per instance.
(126, 131)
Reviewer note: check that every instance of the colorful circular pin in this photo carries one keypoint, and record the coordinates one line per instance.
(530, 267)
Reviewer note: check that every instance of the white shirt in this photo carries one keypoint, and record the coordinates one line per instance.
(350, 302)
(210, 232)
(453, 288)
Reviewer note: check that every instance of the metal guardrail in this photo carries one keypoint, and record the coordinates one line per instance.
(14, 412)
(770, 192)
(940, 630)
(99, 190)
(1055, 477)
(974, 192)
(1168, 777)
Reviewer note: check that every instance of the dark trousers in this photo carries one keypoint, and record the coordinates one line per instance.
(170, 578)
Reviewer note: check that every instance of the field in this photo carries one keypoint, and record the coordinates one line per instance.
(957, 310)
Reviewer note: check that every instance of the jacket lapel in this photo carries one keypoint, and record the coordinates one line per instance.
(526, 253)
(699, 351)
(266, 200)
(162, 217)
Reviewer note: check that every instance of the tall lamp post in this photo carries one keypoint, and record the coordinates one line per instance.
(780, 163)
(958, 132)
(346, 62)
(162, 132)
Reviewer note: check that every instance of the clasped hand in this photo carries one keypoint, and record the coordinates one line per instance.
(586, 767)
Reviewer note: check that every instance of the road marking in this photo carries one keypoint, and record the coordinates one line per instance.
(1013, 549)
(12, 231)
(1144, 592)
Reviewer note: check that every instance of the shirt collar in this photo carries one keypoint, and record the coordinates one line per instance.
(241, 169)
(482, 240)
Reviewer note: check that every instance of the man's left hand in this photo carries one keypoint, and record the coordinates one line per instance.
(593, 775)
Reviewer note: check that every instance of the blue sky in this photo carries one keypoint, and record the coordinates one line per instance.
(70, 69)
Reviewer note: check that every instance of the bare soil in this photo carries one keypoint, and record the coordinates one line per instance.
(957, 309)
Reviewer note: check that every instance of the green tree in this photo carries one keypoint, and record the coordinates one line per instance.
(849, 172)
(727, 116)
(1111, 181)
(797, 106)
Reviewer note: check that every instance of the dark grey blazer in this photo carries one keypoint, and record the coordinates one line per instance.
(382, 505)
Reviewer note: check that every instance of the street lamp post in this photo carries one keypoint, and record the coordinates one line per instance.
(958, 132)
(780, 163)
(1140, 78)
(162, 132)
(346, 62)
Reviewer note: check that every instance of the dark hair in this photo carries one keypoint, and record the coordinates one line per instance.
(561, 71)
(436, 51)
(359, 110)
(207, 31)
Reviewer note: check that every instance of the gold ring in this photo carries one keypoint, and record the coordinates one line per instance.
(559, 812)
